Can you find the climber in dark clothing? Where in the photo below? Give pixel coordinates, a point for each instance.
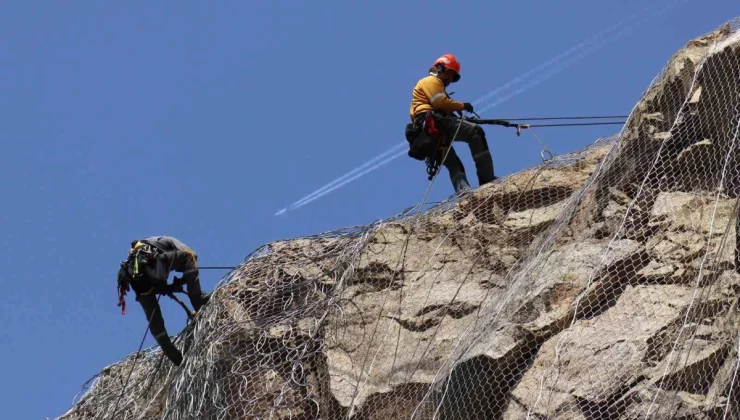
(146, 270)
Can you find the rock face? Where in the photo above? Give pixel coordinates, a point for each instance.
(599, 285)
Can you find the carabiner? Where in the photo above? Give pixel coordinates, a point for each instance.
(542, 155)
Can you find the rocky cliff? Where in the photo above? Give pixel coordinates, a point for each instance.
(598, 285)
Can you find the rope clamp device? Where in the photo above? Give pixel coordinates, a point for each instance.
(502, 123)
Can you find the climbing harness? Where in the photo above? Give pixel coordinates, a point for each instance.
(437, 158)
(434, 161)
(139, 256)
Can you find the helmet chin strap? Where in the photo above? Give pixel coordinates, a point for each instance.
(438, 69)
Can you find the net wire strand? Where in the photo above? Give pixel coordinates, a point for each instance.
(591, 276)
(600, 284)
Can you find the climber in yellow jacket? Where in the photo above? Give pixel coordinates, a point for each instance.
(430, 101)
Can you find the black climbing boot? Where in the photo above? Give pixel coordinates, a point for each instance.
(198, 301)
(484, 168)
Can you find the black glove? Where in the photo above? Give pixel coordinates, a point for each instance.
(468, 107)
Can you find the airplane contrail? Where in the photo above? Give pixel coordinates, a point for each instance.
(549, 62)
(557, 59)
(303, 202)
(378, 161)
(568, 63)
(341, 178)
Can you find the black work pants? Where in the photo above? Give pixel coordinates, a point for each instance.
(153, 314)
(195, 294)
(454, 129)
(146, 295)
(475, 137)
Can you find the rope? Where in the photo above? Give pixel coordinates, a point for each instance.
(564, 118)
(545, 149)
(571, 124)
(141, 345)
(133, 365)
(401, 258)
(519, 127)
(444, 158)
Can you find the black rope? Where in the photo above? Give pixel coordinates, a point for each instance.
(509, 124)
(520, 127)
(571, 124)
(564, 118)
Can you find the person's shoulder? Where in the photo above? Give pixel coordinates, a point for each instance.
(180, 245)
(429, 80)
(164, 242)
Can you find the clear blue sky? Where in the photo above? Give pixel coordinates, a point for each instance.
(235, 109)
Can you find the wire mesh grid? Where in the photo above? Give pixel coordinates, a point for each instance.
(599, 285)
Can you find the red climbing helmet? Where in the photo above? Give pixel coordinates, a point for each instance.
(449, 62)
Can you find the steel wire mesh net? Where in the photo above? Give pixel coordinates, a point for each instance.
(601, 284)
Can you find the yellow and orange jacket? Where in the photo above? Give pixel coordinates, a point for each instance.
(429, 94)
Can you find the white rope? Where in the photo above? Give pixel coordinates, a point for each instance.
(363, 378)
